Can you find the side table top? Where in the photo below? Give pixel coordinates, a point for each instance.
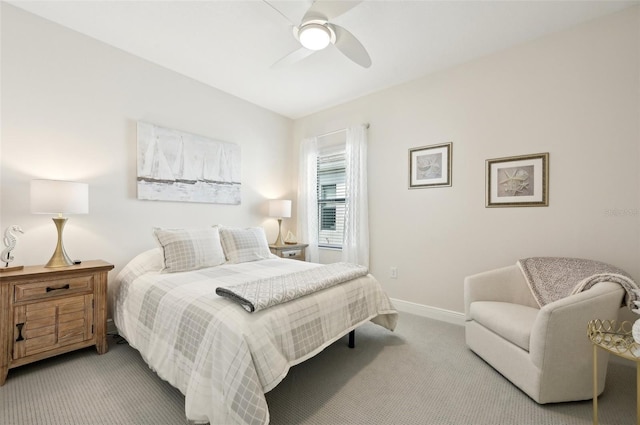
(615, 337)
(289, 246)
(42, 270)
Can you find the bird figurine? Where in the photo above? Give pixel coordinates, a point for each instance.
(10, 240)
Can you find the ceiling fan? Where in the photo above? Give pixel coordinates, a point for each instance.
(315, 33)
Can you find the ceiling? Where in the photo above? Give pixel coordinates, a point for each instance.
(232, 45)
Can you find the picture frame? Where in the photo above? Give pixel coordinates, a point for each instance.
(518, 181)
(430, 166)
(174, 165)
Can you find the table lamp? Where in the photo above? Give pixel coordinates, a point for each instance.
(59, 197)
(280, 208)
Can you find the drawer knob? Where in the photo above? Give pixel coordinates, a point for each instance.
(20, 337)
(49, 288)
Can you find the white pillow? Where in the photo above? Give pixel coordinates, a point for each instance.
(189, 249)
(241, 245)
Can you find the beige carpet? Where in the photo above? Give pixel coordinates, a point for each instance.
(420, 374)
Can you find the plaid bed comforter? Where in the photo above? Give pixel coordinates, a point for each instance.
(222, 358)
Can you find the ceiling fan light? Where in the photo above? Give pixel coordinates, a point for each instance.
(314, 36)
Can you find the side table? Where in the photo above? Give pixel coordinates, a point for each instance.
(49, 311)
(616, 339)
(292, 251)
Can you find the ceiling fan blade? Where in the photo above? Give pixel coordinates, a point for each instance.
(293, 57)
(349, 45)
(329, 9)
(280, 12)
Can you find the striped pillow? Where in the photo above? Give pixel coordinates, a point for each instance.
(189, 249)
(242, 245)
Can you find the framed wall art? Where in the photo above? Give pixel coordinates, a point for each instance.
(178, 166)
(518, 181)
(430, 166)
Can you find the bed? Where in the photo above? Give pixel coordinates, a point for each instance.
(222, 357)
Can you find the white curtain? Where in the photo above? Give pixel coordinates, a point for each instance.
(355, 248)
(307, 198)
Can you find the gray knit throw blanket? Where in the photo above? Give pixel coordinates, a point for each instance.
(553, 278)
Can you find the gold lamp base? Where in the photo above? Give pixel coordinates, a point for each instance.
(279, 241)
(59, 257)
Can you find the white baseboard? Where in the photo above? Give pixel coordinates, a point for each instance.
(436, 313)
(457, 318)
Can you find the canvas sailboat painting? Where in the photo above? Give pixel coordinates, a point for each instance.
(178, 166)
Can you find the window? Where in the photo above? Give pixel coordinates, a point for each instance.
(331, 197)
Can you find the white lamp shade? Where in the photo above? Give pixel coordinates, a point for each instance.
(314, 36)
(58, 197)
(280, 208)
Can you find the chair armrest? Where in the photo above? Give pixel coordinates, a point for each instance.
(506, 284)
(559, 334)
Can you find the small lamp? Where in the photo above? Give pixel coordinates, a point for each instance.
(280, 208)
(59, 197)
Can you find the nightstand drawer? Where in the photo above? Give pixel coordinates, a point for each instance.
(52, 288)
(292, 253)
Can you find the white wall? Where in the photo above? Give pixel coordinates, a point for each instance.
(69, 110)
(70, 106)
(573, 94)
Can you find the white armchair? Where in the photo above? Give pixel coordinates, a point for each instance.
(543, 351)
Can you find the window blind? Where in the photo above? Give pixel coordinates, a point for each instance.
(331, 199)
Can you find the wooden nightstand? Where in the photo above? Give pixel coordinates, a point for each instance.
(292, 251)
(49, 311)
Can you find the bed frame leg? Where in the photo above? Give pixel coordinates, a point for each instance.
(352, 339)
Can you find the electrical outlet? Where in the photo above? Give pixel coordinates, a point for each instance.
(393, 272)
